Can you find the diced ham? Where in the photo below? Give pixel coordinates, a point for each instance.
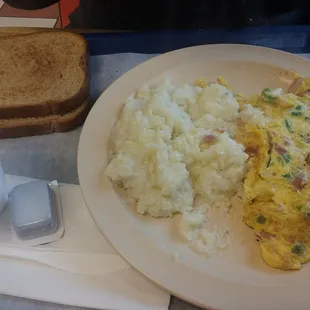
(300, 181)
(297, 183)
(209, 138)
(280, 149)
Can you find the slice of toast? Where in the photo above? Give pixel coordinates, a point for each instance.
(22, 127)
(20, 31)
(16, 31)
(42, 73)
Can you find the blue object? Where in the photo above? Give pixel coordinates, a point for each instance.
(33, 208)
(294, 39)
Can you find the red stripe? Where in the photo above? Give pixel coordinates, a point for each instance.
(66, 8)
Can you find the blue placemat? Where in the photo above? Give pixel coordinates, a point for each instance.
(294, 39)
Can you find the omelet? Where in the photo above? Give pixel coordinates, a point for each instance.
(276, 185)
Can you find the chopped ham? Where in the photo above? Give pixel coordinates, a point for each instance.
(297, 183)
(209, 138)
(300, 181)
(280, 149)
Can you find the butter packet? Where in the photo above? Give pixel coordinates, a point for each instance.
(36, 213)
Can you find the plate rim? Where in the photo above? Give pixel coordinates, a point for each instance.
(154, 275)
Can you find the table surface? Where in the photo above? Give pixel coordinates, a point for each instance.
(54, 158)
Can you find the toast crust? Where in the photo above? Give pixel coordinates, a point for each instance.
(48, 107)
(44, 125)
(20, 31)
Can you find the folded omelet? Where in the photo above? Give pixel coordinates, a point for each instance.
(276, 186)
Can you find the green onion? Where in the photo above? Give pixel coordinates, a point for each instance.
(284, 158)
(268, 95)
(287, 176)
(288, 124)
(296, 113)
(305, 137)
(306, 210)
(261, 219)
(299, 249)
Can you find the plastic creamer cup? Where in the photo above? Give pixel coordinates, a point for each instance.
(3, 190)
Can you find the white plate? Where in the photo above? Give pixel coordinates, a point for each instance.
(236, 280)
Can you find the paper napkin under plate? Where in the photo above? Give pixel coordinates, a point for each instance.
(81, 269)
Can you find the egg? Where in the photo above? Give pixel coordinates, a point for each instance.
(276, 185)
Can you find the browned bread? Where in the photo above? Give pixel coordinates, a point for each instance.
(15, 31)
(42, 73)
(21, 127)
(19, 31)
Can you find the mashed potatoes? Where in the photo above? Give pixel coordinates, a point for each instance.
(173, 144)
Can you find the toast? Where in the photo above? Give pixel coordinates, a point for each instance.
(42, 73)
(20, 31)
(17, 31)
(21, 127)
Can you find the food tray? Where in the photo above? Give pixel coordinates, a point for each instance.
(293, 39)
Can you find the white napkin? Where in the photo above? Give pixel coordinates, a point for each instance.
(81, 269)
